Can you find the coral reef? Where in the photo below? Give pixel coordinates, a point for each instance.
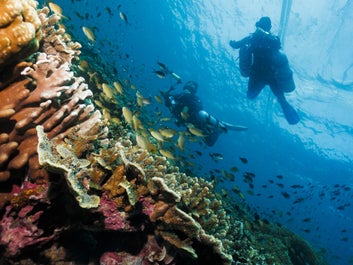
(19, 30)
(42, 93)
(76, 189)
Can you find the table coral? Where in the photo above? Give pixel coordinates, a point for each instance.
(45, 93)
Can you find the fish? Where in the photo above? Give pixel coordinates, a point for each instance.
(164, 119)
(56, 9)
(196, 131)
(163, 66)
(285, 194)
(157, 135)
(127, 114)
(280, 185)
(184, 115)
(175, 76)
(216, 156)
(243, 160)
(118, 87)
(158, 99)
(181, 141)
(108, 91)
(89, 33)
(79, 15)
(123, 17)
(227, 175)
(137, 124)
(109, 11)
(234, 169)
(142, 142)
(167, 132)
(166, 153)
(141, 101)
(160, 74)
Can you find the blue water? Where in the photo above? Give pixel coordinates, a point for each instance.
(191, 38)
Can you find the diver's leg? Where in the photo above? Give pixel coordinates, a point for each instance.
(211, 122)
(211, 139)
(255, 85)
(283, 74)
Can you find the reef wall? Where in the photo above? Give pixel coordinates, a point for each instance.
(76, 186)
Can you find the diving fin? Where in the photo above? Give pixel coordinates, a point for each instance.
(289, 112)
(233, 127)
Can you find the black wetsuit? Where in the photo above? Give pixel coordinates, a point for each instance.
(261, 60)
(186, 108)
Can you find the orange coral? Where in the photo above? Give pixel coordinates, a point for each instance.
(19, 30)
(41, 93)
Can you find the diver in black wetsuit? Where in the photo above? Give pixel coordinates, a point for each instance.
(187, 108)
(261, 60)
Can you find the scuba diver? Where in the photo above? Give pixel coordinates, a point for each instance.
(261, 60)
(187, 108)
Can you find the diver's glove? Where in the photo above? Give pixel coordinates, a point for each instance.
(234, 44)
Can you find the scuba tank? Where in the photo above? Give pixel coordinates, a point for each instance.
(245, 60)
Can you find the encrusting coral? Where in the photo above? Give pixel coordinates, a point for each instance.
(74, 190)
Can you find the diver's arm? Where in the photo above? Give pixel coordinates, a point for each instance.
(238, 44)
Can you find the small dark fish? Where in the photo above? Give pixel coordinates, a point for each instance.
(250, 192)
(109, 11)
(264, 186)
(285, 194)
(271, 181)
(243, 160)
(198, 153)
(159, 73)
(307, 231)
(306, 220)
(342, 207)
(298, 200)
(296, 186)
(345, 239)
(79, 15)
(234, 169)
(270, 196)
(163, 66)
(279, 176)
(280, 185)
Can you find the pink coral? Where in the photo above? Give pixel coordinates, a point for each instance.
(20, 229)
(113, 218)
